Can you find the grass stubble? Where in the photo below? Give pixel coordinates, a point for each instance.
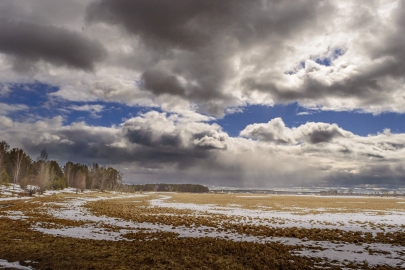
(165, 250)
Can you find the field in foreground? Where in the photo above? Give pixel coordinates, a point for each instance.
(201, 231)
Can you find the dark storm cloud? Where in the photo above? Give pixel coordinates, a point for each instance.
(374, 155)
(196, 39)
(380, 175)
(86, 146)
(215, 54)
(34, 42)
(92, 149)
(145, 137)
(323, 135)
(194, 24)
(149, 140)
(160, 23)
(367, 86)
(76, 143)
(160, 83)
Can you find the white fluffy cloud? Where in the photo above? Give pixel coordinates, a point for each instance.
(276, 131)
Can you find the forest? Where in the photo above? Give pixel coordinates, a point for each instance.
(191, 188)
(16, 167)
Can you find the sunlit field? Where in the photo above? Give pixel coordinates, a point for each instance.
(201, 231)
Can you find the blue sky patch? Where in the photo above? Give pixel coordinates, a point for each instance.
(325, 59)
(329, 57)
(36, 97)
(293, 116)
(40, 105)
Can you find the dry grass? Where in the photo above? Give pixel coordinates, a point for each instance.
(293, 203)
(148, 251)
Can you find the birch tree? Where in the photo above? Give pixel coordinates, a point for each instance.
(80, 181)
(68, 171)
(43, 171)
(19, 164)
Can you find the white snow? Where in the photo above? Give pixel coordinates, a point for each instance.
(15, 265)
(16, 215)
(15, 198)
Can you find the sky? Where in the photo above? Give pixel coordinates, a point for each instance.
(237, 93)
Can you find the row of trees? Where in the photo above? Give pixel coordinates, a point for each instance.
(18, 168)
(193, 188)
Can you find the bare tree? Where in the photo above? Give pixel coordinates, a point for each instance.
(104, 175)
(69, 173)
(80, 181)
(17, 171)
(93, 176)
(43, 171)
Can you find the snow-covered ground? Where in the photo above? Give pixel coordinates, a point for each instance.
(370, 221)
(12, 191)
(99, 227)
(14, 265)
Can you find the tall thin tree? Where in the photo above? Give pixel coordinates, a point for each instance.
(43, 171)
(17, 171)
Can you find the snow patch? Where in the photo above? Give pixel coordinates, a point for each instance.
(15, 265)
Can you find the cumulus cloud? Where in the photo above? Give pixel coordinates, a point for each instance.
(155, 129)
(276, 131)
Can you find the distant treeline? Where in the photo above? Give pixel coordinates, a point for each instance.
(165, 187)
(19, 168)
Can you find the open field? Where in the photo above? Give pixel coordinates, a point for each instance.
(201, 231)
